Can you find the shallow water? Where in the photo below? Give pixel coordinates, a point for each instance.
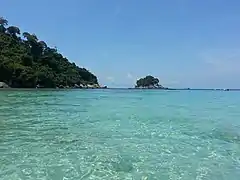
(119, 134)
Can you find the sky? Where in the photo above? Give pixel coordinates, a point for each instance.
(185, 43)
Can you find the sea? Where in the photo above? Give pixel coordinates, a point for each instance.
(119, 134)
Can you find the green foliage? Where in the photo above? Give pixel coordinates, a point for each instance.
(148, 81)
(3, 21)
(13, 31)
(29, 62)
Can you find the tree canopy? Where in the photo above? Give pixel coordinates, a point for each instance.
(27, 62)
(148, 82)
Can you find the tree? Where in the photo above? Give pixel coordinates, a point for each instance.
(3, 23)
(36, 47)
(26, 35)
(43, 44)
(13, 31)
(34, 36)
(31, 38)
(148, 82)
(2, 29)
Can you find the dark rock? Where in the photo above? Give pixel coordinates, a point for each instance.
(76, 86)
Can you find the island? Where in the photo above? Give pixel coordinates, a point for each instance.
(148, 82)
(27, 62)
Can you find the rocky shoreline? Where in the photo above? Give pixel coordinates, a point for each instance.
(150, 87)
(82, 86)
(3, 85)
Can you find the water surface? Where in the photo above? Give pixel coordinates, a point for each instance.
(119, 134)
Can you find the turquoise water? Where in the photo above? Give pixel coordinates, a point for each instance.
(119, 134)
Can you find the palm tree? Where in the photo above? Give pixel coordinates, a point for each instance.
(3, 23)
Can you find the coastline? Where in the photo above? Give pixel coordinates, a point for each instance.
(131, 89)
(4, 85)
(186, 89)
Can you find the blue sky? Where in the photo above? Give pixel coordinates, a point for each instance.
(184, 43)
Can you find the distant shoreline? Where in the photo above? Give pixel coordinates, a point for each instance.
(186, 89)
(137, 89)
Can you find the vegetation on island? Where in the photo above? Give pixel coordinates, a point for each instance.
(148, 82)
(27, 62)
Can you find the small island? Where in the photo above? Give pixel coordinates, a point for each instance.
(27, 62)
(148, 82)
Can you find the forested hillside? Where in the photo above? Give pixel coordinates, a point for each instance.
(27, 62)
